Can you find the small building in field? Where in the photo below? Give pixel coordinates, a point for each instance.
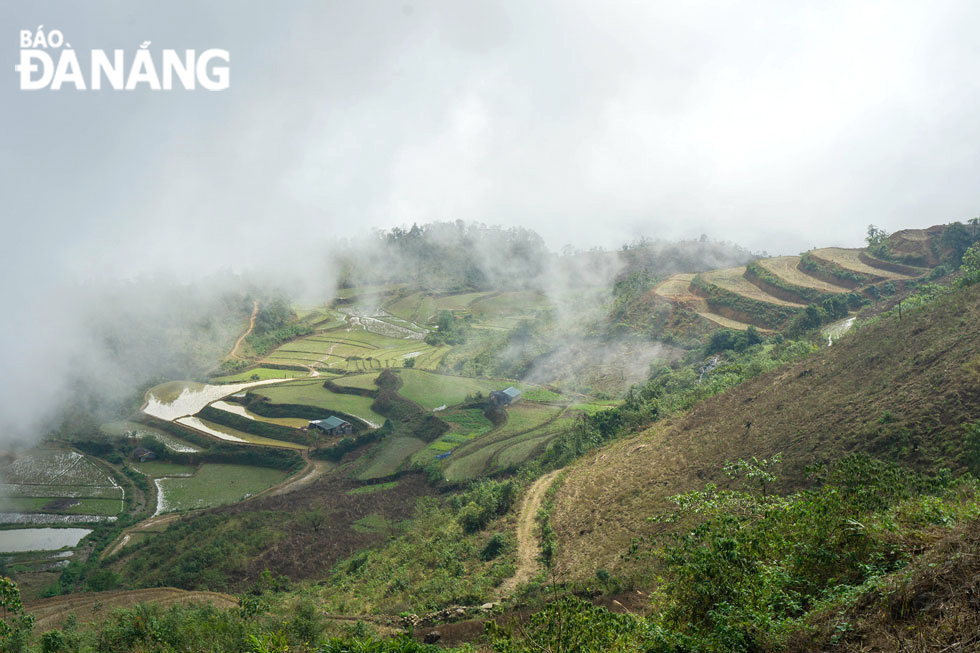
(332, 425)
(143, 454)
(505, 397)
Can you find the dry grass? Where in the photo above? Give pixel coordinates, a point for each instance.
(898, 390)
(848, 258)
(733, 280)
(785, 267)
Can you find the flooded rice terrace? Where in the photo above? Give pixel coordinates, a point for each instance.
(40, 539)
(169, 401)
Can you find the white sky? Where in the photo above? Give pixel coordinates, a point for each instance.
(778, 125)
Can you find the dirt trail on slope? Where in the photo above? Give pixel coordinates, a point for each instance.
(527, 542)
(251, 326)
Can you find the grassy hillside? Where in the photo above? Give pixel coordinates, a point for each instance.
(896, 389)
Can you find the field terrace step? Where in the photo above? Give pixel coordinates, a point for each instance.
(787, 269)
(850, 259)
(677, 289)
(733, 280)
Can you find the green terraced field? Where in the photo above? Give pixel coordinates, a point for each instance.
(356, 349)
(312, 393)
(389, 457)
(467, 425)
(262, 373)
(431, 390)
(156, 469)
(525, 422)
(509, 304)
(216, 485)
(362, 381)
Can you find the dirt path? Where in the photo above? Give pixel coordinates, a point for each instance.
(527, 542)
(251, 326)
(314, 469)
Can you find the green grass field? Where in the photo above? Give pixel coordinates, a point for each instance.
(431, 390)
(362, 381)
(312, 393)
(262, 373)
(156, 469)
(467, 424)
(509, 304)
(355, 349)
(216, 485)
(389, 457)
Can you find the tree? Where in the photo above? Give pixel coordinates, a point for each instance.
(971, 266)
(15, 624)
(875, 236)
(956, 238)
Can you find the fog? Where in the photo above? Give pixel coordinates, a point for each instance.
(789, 126)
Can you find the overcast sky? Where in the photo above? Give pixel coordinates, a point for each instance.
(778, 125)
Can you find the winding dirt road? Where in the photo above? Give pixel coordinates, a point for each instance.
(251, 326)
(527, 542)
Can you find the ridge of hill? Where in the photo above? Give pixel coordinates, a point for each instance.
(897, 388)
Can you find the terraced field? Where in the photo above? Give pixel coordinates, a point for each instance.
(52, 485)
(312, 393)
(849, 258)
(422, 308)
(678, 289)
(362, 381)
(257, 374)
(241, 411)
(433, 391)
(390, 456)
(525, 422)
(786, 268)
(466, 425)
(355, 349)
(213, 485)
(52, 613)
(228, 434)
(510, 304)
(733, 280)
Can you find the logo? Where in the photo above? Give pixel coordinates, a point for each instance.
(45, 64)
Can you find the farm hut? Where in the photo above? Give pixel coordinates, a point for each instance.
(143, 454)
(332, 425)
(505, 397)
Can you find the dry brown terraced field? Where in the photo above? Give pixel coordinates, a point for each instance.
(785, 267)
(733, 280)
(89, 606)
(848, 258)
(678, 289)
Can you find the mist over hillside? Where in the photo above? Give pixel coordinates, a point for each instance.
(107, 339)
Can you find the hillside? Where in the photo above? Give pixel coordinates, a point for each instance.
(895, 389)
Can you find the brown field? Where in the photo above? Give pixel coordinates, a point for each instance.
(733, 280)
(89, 606)
(848, 258)
(678, 289)
(785, 268)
